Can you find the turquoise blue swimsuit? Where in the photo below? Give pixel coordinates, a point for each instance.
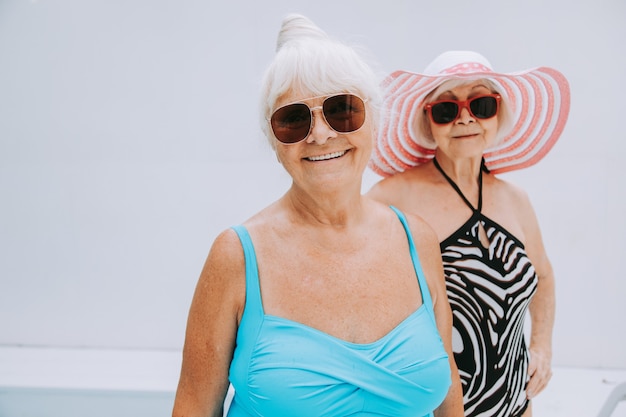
(284, 368)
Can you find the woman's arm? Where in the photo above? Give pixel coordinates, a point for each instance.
(542, 306)
(212, 330)
(427, 246)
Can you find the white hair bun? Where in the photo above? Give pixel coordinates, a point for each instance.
(297, 27)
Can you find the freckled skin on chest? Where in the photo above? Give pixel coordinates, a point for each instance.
(339, 287)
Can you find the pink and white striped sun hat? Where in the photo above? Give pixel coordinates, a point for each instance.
(539, 100)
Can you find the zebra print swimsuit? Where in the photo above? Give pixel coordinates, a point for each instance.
(489, 289)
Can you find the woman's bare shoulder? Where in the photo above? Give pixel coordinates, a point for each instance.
(402, 182)
(422, 229)
(511, 193)
(225, 261)
(227, 245)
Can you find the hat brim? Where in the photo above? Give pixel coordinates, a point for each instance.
(539, 99)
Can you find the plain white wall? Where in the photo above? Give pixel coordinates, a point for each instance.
(129, 138)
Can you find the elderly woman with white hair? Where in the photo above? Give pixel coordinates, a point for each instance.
(325, 303)
(446, 133)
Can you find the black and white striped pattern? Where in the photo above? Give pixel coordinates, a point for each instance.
(489, 291)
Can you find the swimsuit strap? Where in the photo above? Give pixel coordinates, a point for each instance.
(421, 278)
(254, 304)
(483, 167)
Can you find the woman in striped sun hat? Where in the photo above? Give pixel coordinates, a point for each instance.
(444, 135)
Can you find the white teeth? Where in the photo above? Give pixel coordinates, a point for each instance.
(327, 156)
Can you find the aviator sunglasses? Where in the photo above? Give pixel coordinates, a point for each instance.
(446, 111)
(344, 113)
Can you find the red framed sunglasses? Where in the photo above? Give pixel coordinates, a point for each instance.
(446, 111)
(344, 113)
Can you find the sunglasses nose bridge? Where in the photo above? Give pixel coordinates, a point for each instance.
(319, 111)
(318, 121)
(317, 114)
(464, 116)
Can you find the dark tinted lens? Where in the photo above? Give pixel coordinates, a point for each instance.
(344, 113)
(484, 107)
(444, 112)
(291, 123)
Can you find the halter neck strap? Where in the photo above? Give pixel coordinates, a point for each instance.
(458, 190)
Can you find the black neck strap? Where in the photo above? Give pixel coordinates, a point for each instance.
(458, 190)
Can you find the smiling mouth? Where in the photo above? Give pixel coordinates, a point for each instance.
(466, 135)
(326, 157)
